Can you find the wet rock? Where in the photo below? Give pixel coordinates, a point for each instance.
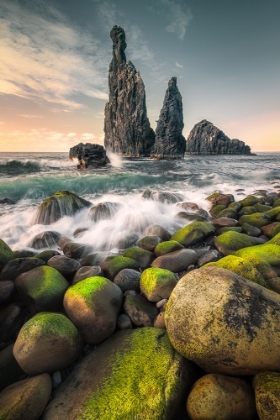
(250, 200)
(164, 197)
(5, 253)
(169, 141)
(7, 292)
(209, 256)
(257, 219)
(47, 255)
(62, 203)
(93, 306)
(156, 230)
(271, 230)
(235, 338)
(166, 247)
(221, 397)
(76, 251)
(274, 284)
(141, 312)
(112, 265)
(229, 242)
(124, 322)
(89, 155)
(176, 261)
(26, 399)
(194, 217)
(11, 319)
(48, 342)
(127, 127)
(24, 253)
(149, 242)
(18, 266)
(224, 222)
(228, 229)
(103, 211)
(219, 199)
(192, 233)
(159, 321)
(7, 201)
(267, 390)
(128, 279)
(206, 139)
(10, 371)
(251, 230)
(157, 283)
(86, 272)
(66, 266)
(94, 259)
(42, 289)
(44, 240)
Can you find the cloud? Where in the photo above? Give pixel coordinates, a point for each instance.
(177, 13)
(30, 116)
(179, 65)
(47, 58)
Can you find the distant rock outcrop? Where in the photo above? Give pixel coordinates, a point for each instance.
(89, 155)
(206, 139)
(170, 142)
(127, 127)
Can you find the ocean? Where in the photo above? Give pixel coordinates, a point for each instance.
(29, 178)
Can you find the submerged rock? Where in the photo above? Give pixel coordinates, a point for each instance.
(206, 139)
(89, 155)
(170, 142)
(127, 127)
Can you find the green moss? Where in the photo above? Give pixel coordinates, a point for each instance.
(262, 257)
(273, 213)
(275, 240)
(262, 208)
(193, 232)
(48, 281)
(6, 253)
(250, 200)
(231, 241)
(227, 213)
(144, 380)
(240, 266)
(166, 247)
(112, 265)
(235, 205)
(267, 381)
(276, 203)
(155, 278)
(256, 219)
(229, 229)
(247, 210)
(135, 253)
(216, 210)
(86, 288)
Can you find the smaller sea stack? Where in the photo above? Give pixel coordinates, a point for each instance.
(89, 155)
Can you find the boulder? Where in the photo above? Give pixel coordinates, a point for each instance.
(18, 266)
(44, 240)
(122, 378)
(176, 261)
(42, 289)
(128, 279)
(11, 319)
(256, 219)
(26, 399)
(141, 312)
(46, 343)
(93, 306)
(142, 256)
(62, 203)
(126, 126)
(149, 242)
(47, 255)
(76, 251)
(163, 196)
(169, 141)
(86, 272)
(192, 233)
(206, 139)
(7, 292)
(112, 265)
(89, 155)
(5, 253)
(221, 397)
(66, 266)
(267, 395)
(229, 242)
(10, 371)
(166, 247)
(103, 211)
(271, 230)
(157, 284)
(156, 230)
(224, 323)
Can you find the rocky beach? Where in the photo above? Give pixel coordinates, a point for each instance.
(156, 301)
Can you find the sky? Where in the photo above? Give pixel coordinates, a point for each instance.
(55, 57)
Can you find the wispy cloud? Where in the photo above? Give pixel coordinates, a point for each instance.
(46, 58)
(30, 116)
(177, 14)
(179, 65)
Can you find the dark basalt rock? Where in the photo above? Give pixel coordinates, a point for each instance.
(170, 142)
(127, 127)
(89, 155)
(206, 139)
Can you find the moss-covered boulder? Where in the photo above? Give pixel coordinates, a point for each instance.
(192, 233)
(46, 343)
(136, 374)
(15, 267)
(5, 253)
(166, 247)
(221, 397)
(264, 257)
(256, 219)
(240, 266)
(229, 242)
(273, 213)
(217, 198)
(276, 203)
(247, 210)
(262, 208)
(176, 261)
(112, 265)
(224, 221)
(214, 211)
(251, 230)
(228, 229)
(275, 240)
(224, 323)
(47, 254)
(250, 200)
(157, 284)
(93, 306)
(267, 395)
(26, 399)
(142, 256)
(62, 203)
(42, 289)
(231, 213)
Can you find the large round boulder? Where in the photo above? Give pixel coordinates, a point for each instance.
(192, 233)
(136, 374)
(17, 266)
(157, 283)
(224, 323)
(93, 305)
(46, 343)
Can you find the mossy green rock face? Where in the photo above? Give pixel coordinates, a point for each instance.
(267, 395)
(216, 210)
(112, 265)
(167, 247)
(276, 203)
(25, 399)
(240, 266)
(136, 374)
(46, 343)
(221, 397)
(192, 233)
(224, 323)
(229, 242)
(143, 257)
(62, 203)
(256, 219)
(273, 213)
(42, 289)
(264, 257)
(93, 306)
(247, 210)
(250, 200)
(275, 240)
(157, 283)
(5, 253)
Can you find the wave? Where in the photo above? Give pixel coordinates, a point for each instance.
(16, 167)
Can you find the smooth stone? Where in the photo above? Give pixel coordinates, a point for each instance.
(166, 247)
(251, 230)
(10, 371)
(176, 261)
(160, 304)
(5, 253)
(11, 319)
(128, 279)
(18, 266)
(141, 312)
(157, 283)
(271, 230)
(45, 239)
(47, 255)
(229, 242)
(224, 222)
(76, 251)
(7, 291)
(66, 266)
(142, 256)
(112, 265)
(124, 322)
(157, 230)
(94, 259)
(209, 256)
(192, 233)
(159, 321)
(56, 379)
(257, 219)
(149, 242)
(86, 272)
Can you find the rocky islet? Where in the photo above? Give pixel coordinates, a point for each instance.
(219, 320)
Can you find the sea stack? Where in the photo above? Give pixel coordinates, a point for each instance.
(127, 127)
(206, 139)
(89, 155)
(170, 142)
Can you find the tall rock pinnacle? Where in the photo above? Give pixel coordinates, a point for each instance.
(127, 127)
(170, 142)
